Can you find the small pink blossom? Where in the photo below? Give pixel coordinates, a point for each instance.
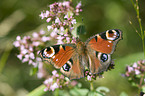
(135, 65)
(89, 78)
(66, 16)
(47, 14)
(54, 72)
(42, 32)
(44, 38)
(35, 35)
(49, 28)
(16, 44)
(137, 72)
(73, 21)
(32, 56)
(30, 62)
(20, 56)
(53, 34)
(31, 48)
(49, 80)
(57, 20)
(54, 86)
(61, 29)
(46, 89)
(36, 43)
(130, 69)
(66, 3)
(48, 20)
(25, 60)
(42, 15)
(79, 5)
(18, 38)
(24, 51)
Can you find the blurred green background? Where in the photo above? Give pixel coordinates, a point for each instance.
(21, 17)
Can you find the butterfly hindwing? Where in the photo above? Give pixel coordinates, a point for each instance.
(65, 58)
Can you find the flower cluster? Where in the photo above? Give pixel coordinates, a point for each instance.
(61, 20)
(136, 69)
(28, 47)
(136, 73)
(57, 81)
(61, 15)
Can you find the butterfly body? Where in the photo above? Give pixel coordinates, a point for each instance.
(74, 59)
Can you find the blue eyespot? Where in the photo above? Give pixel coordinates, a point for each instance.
(104, 57)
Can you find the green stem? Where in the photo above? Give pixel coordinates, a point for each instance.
(143, 44)
(142, 33)
(4, 57)
(91, 86)
(39, 91)
(56, 92)
(140, 83)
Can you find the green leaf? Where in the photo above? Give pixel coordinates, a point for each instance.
(78, 92)
(134, 84)
(39, 91)
(102, 90)
(123, 94)
(93, 93)
(143, 89)
(81, 30)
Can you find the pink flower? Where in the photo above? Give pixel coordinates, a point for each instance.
(49, 80)
(32, 56)
(48, 20)
(73, 21)
(16, 44)
(137, 72)
(18, 38)
(79, 5)
(66, 3)
(44, 38)
(47, 14)
(49, 28)
(130, 69)
(57, 20)
(24, 51)
(54, 72)
(54, 86)
(42, 32)
(61, 29)
(89, 78)
(30, 62)
(20, 56)
(35, 35)
(135, 65)
(25, 60)
(42, 15)
(36, 43)
(53, 34)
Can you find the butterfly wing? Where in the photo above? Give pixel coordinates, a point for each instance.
(100, 47)
(65, 58)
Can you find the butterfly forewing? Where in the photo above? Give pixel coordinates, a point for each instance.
(105, 42)
(99, 49)
(64, 57)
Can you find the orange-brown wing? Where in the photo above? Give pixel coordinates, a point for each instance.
(64, 57)
(99, 49)
(105, 42)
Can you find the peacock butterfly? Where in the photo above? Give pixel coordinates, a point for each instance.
(94, 54)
